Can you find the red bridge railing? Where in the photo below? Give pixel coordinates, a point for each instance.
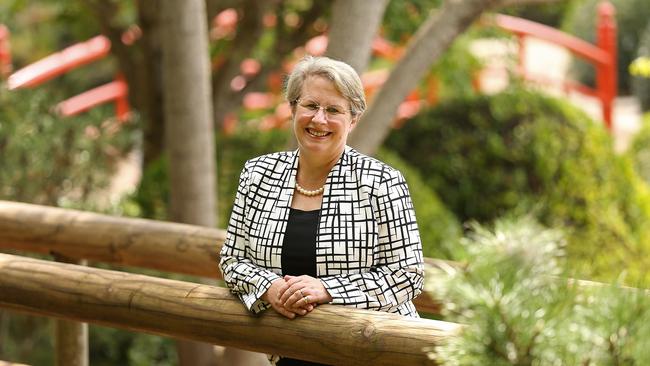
(602, 55)
(70, 58)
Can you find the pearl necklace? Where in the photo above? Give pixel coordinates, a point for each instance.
(307, 192)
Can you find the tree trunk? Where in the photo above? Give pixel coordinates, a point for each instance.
(352, 29)
(189, 130)
(188, 112)
(432, 39)
(149, 82)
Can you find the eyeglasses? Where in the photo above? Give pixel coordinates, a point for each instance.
(311, 108)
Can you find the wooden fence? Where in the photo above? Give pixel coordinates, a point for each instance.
(164, 246)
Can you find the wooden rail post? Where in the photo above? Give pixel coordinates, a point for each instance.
(330, 334)
(70, 337)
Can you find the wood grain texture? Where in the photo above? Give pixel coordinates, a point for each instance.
(159, 245)
(330, 334)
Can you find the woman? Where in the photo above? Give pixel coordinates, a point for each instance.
(323, 224)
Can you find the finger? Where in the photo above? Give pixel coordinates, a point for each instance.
(304, 302)
(285, 312)
(282, 288)
(292, 290)
(292, 280)
(293, 300)
(282, 297)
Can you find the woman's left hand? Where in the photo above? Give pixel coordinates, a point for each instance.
(300, 291)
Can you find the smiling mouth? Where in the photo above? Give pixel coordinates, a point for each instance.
(317, 133)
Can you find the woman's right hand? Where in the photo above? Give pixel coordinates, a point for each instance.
(272, 296)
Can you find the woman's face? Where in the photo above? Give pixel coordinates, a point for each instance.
(322, 118)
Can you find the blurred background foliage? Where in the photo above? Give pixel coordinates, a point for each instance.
(641, 83)
(470, 159)
(50, 160)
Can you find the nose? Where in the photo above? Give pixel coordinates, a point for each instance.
(320, 116)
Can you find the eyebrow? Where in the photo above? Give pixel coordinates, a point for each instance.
(309, 100)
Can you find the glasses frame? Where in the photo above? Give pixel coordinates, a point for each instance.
(312, 108)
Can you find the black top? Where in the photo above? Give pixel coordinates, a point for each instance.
(299, 255)
(299, 246)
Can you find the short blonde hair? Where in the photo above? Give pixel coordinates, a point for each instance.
(342, 75)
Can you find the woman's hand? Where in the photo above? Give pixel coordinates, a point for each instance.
(272, 296)
(302, 293)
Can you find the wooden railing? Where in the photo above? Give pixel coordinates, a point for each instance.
(331, 334)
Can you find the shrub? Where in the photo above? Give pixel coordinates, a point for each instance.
(631, 17)
(486, 156)
(639, 150)
(519, 309)
(439, 228)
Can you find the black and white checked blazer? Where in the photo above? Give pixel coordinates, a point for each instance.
(368, 250)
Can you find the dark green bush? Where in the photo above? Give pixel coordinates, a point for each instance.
(551, 14)
(631, 17)
(439, 228)
(488, 156)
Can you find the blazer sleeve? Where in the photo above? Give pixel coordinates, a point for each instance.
(244, 278)
(397, 274)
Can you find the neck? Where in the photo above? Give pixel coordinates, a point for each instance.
(313, 171)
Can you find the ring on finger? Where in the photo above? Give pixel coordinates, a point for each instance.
(306, 299)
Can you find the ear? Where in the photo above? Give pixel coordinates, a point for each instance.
(354, 121)
(293, 110)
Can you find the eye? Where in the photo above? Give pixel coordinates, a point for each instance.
(311, 106)
(333, 111)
